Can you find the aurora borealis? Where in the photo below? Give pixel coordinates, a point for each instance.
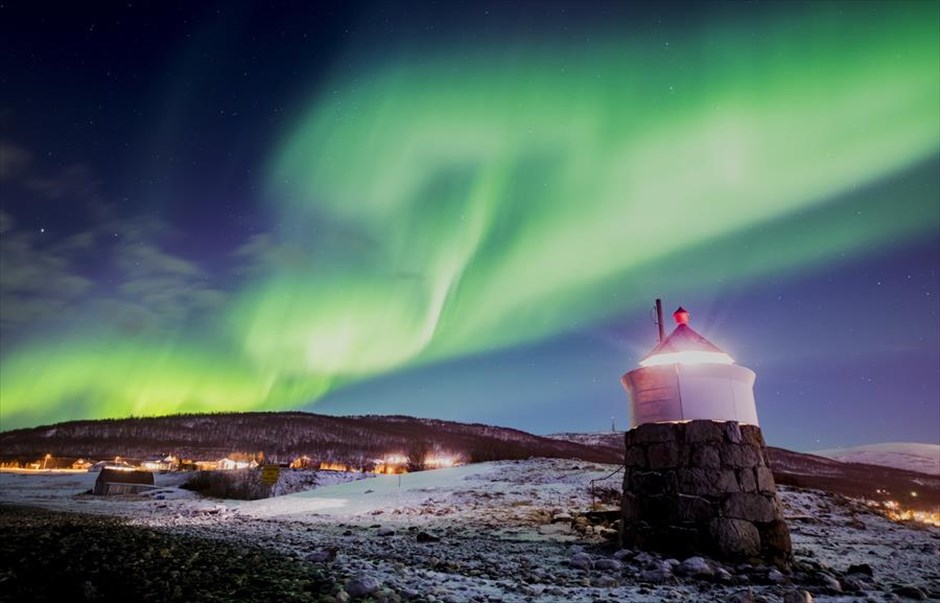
(451, 211)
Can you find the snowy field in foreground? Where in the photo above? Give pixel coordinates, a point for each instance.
(497, 539)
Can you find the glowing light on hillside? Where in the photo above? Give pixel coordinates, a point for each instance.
(688, 357)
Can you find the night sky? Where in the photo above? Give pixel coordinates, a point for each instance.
(465, 210)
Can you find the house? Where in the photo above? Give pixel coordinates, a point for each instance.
(159, 463)
(82, 465)
(228, 464)
(303, 462)
(119, 465)
(117, 481)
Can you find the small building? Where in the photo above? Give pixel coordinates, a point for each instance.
(82, 465)
(117, 464)
(159, 463)
(303, 462)
(117, 481)
(228, 464)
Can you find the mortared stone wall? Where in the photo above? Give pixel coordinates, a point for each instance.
(703, 487)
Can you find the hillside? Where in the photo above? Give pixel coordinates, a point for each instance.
(282, 436)
(856, 479)
(355, 441)
(910, 456)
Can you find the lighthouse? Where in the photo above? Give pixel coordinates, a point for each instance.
(687, 377)
(697, 476)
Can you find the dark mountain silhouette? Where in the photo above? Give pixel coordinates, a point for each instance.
(281, 436)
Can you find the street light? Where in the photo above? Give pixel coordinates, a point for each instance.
(45, 460)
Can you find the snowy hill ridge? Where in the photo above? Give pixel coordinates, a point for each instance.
(910, 456)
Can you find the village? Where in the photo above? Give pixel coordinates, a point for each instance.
(390, 464)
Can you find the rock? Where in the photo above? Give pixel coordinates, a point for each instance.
(701, 431)
(561, 517)
(797, 596)
(732, 431)
(655, 576)
(581, 561)
(385, 531)
(742, 596)
(362, 586)
(746, 480)
(663, 456)
(342, 596)
(735, 537)
(861, 568)
(425, 537)
(776, 576)
(322, 555)
(830, 582)
(739, 456)
(705, 456)
(775, 538)
(636, 457)
(606, 581)
(723, 575)
(608, 564)
(624, 554)
(910, 592)
(695, 567)
(655, 432)
(694, 508)
(765, 480)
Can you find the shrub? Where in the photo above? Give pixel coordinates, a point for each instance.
(241, 484)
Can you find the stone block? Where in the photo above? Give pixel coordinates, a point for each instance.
(653, 483)
(703, 431)
(705, 456)
(636, 456)
(664, 455)
(738, 456)
(659, 509)
(752, 436)
(764, 457)
(752, 507)
(732, 432)
(681, 541)
(775, 541)
(657, 432)
(746, 480)
(735, 537)
(629, 507)
(707, 482)
(765, 480)
(695, 508)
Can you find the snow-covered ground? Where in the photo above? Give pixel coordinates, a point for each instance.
(510, 531)
(923, 458)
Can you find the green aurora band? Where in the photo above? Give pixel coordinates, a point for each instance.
(445, 206)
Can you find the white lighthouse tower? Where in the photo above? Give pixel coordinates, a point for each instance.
(686, 377)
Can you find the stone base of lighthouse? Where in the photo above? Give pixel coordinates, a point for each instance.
(702, 487)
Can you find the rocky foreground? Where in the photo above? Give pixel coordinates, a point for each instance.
(55, 556)
(510, 531)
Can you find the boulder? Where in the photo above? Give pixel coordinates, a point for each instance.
(735, 537)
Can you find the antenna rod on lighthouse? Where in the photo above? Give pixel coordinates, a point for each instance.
(659, 319)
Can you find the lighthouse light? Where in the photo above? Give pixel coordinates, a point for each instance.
(688, 357)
